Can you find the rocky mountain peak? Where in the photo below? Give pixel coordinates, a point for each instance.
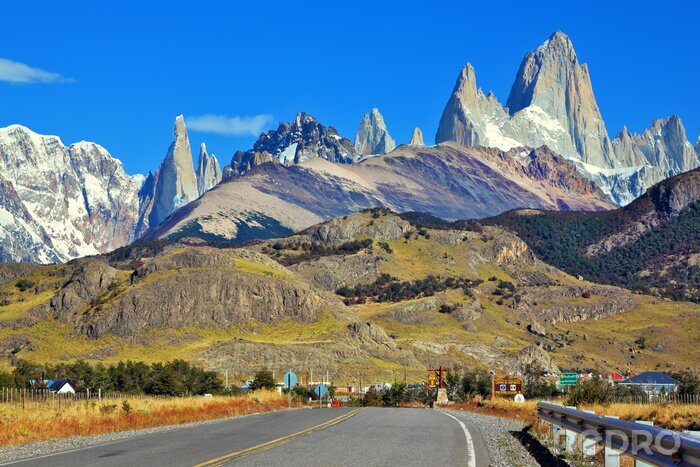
(417, 138)
(292, 143)
(559, 46)
(208, 171)
(175, 181)
(551, 82)
(372, 135)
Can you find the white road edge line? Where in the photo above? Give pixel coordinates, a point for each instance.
(471, 462)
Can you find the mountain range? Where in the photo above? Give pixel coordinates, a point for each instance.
(552, 103)
(59, 202)
(547, 149)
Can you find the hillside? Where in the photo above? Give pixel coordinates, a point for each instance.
(369, 294)
(449, 180)
(651, 245)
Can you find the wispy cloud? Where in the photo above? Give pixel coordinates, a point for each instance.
(232, 126)
(16, 72)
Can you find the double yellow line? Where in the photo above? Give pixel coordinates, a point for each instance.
(275, 442)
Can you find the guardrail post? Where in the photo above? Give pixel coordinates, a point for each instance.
(588, 445)
(612, 456)
(556, 435)
(637, 462)
(571, 437)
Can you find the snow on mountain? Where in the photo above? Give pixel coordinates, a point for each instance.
(58, 203)
(61, 202)
(552, 103)
(293, 143)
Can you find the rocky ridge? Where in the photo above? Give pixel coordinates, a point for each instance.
(293, 143)
(552, 103)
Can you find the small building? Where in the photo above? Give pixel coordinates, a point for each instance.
(612, 377)
(56, 386)
(652, 382)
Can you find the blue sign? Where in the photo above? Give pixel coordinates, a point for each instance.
(320, 391)
(290, 379)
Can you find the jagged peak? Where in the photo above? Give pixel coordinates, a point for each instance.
(417, 138)
(203, 149)
(558, 45)
(468, 74)
(672, 122)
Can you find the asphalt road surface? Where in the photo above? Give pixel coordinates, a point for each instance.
(308, 437)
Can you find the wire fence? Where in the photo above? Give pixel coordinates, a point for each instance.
(659, 398)
(31, 397)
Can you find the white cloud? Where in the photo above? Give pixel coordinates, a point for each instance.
(232, 126)
(16, 72)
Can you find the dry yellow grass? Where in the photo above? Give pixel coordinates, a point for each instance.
(45, 420)
(671, 416)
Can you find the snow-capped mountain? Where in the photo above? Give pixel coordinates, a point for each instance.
(292, 143)
(60, 202)
(372, 136)
(552, 103)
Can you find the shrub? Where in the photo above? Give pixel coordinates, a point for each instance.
(263, 379)
(108, 409)
(590, 391)
(126, 407)
(24, 284)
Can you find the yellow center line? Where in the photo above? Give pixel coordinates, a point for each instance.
(275, 442)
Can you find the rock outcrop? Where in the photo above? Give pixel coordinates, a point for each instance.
(372, 136)
(292, 143)
(208, 171)
(90, 281)
(417, 138)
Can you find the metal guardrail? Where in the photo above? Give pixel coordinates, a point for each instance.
(654, 445)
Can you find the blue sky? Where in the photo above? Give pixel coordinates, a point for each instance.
(118, 73)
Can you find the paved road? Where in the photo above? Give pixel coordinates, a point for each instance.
(346, 436)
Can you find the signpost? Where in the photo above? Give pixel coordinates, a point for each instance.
(507, 387)
(320, 391)
(290, 379)
(568, 379)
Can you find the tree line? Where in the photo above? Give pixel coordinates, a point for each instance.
(175, 378)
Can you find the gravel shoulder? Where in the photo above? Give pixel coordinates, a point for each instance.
(9, 454)
(495, 432)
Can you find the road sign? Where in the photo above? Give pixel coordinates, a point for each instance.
(290, 379)
(320, 391)
(568, 379)
(507, 387)
(431, 380)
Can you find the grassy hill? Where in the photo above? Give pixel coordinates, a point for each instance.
(652, 245)
(371, 294)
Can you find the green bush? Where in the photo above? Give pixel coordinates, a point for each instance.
(24, 284)
(590, 391)
(263, 379)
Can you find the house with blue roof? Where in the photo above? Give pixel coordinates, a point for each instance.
(57, 386)
(652, 382)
